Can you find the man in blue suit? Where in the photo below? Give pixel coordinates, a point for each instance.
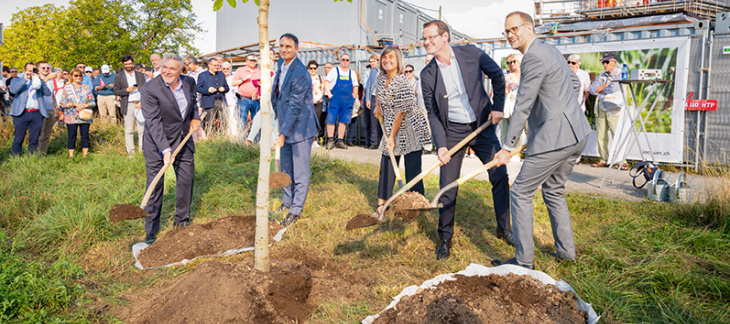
(212, 86)
(29, 108)
(457, 104)
(294, 107)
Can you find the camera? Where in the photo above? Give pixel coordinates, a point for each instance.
(35, 70)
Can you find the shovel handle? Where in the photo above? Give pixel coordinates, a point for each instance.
(423, 174)
(159, 175)
(391, 154)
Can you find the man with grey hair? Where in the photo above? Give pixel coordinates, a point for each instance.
(170, 111)
(583, 76)
(212, 87)
(558, 134)
(156, 62)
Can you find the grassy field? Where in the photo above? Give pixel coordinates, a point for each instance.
(62, 260)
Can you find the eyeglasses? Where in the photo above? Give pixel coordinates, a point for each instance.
(77, 75)
(345, 60)
(572, 63)
(605, 62)
(409, 71)
(88, 72)
(512, 30)
(13, 71)
(430, 38)
(311, 68)
(510, 62)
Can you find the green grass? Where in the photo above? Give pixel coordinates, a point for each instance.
(638, 262)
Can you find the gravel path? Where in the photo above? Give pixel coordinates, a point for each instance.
(585, 179)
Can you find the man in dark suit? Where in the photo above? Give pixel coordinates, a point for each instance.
(294, 108)
(126, 87)
(170, 112)
(548, 101)
(212, 86)
(457, 104)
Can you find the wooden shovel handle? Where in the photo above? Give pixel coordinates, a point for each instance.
(159, 175)
(390, 153)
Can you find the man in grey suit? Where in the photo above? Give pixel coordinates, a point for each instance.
(170, 111)
(548, 101)
(294, 107)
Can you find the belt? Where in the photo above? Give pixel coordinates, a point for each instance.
(32, 110)
(136, 101)
(464, 124)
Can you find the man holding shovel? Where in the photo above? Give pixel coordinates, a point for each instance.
(548, 101)
(170, 111)
(457, 104)
(294, 108)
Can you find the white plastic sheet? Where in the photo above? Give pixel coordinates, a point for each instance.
(480, 270)
(141, 246)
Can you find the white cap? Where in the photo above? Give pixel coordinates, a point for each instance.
(88, 69)
(105, 69)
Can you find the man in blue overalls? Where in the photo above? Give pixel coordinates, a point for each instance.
(341, 89)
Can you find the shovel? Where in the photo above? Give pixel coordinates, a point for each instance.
(278, 179)
(392, 155)
(456, 183)
(127, 211)
(374, 218)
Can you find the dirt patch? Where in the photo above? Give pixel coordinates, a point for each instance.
(404, 205)
(126, 212)
(487, 299)
(362, 220)
(217, 292)
(232, 232)
(278, 180)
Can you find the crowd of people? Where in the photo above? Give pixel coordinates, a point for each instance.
(542, 104)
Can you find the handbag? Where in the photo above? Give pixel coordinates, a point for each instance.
(85, 114)
(356, 108)
(612, 101)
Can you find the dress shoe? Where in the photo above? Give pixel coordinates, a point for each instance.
(330, 145)
(340, 145)
(290, 219)
(511, 261)
(444, 250)
(506, 236)
(560, 259)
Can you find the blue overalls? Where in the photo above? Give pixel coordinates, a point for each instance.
(340, 105)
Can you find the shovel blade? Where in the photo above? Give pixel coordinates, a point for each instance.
(362, 220)
(126, 212)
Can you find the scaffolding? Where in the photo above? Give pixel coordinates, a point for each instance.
(550, 11)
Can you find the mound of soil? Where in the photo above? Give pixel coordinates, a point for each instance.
(487, 299)
(217, 292)
(126, 212)
(362, 220)
(278, 180)
(228, 233)
(403, 205)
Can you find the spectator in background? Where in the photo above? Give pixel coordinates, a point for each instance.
(126, 86)
(583, 76)
(248, 100)
(212, 87)
(8, 80)
(156, 61)
(194, 69)
(317, 94)
(95, 73)
(256, 121)
(44, 70)
(77, 97)
(139, 67)
(607, 114)
(231, 100)
(325, 99)
(104, 85)
(374, 133)
(357, 119)
(29, 108)
(512, 81)
(4, 89)
(341, 87)
(89, 77)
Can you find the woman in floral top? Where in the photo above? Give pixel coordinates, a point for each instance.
(76, 97)
(406, 127)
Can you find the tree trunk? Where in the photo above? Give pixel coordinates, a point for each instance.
(261, 252)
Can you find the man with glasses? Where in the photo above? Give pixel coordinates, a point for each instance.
(607, 115)
(44, 69)
(13, 74)
(457, 104)
(547, 100)
(374, 133)
(104, 88)
(29, 108)
(126, 87)
(340, 86)
(212, 87)
(248, 100)
(87, 74)
(583, 76)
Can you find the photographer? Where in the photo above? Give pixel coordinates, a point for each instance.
(29, 108)
(126, 86)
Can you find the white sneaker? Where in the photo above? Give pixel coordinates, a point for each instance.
(315, 144)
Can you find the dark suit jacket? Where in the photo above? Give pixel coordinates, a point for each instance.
(164, 126)
(205, 81)
(435, 96)
(121, 85)
(294, 106)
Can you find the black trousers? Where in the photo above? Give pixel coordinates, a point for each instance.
(73, 130)
(32, 121)
(216, 114)
(387, 174)
(321, 116)
(485, 146)
(184, 166)
(372, 126)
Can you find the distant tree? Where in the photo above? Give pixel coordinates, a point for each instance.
(99, 31)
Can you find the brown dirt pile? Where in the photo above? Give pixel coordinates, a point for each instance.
(217, 292)
(487, 299)
(403, 205)
(232, 232)
(278, 180)
(126, 212)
